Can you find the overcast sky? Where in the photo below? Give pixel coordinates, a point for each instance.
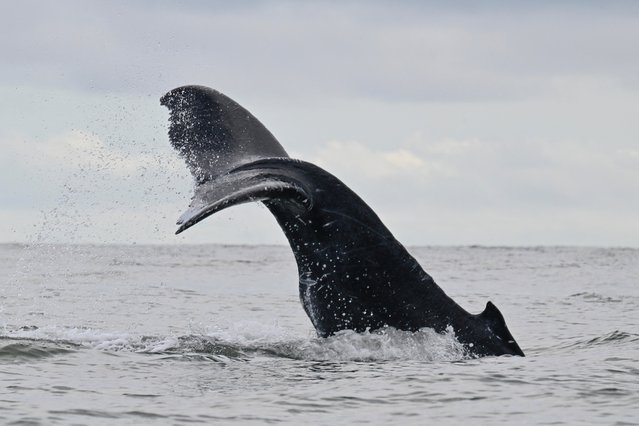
(497, 123)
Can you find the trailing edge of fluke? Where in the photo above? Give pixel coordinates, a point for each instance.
(353, 274)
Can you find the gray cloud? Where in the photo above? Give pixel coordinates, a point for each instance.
(407, 51)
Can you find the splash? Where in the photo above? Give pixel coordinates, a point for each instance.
(244, 343)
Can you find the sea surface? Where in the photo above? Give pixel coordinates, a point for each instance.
(213, 334)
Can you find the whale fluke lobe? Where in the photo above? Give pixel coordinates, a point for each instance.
(353, 273)
(243, 186)
(214, 133)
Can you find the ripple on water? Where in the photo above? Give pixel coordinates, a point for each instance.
(613, 338)
(595, 297)
(24, 350)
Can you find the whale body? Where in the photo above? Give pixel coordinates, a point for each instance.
(353, 274)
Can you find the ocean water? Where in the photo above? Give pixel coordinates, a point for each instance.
(216, 334)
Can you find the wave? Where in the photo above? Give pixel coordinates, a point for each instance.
(615, 337)
(21, 349)
(595, 297)
(240, 344)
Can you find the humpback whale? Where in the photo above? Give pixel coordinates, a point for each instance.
(353, 273)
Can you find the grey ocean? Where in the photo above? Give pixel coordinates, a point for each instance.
(216, 334)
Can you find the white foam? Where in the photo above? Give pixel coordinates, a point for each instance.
(386, 344)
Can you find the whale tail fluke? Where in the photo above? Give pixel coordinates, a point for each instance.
(353, 273)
